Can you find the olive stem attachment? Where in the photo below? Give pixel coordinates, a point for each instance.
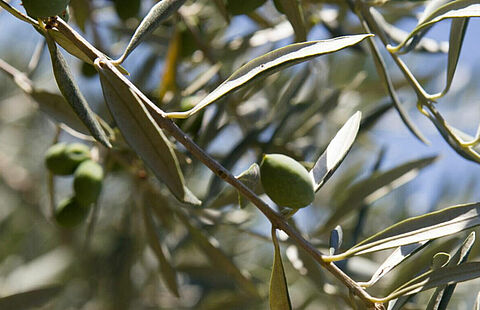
(276, 219)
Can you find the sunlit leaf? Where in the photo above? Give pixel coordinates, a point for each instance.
(279, 297)
(441, 296)
(72, 93)
(398, 256)
(457, 34)
(336, 151)
(454, 9)
(158, 13)
(30, 300)
(270, 63)
(374, 187)
(142, 132)
(425, 227)
(443, 276)
(398, 35)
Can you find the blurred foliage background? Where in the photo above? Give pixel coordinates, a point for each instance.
(114, 260)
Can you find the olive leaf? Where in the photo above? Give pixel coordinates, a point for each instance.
(75, 44)
(336, 239)
(57, 107)
(158, 13)
(442, 276)
(72, 94)
(374, 187)
(454, 9)
(398, 256)
(421, 228)
(442, 295)
(293, 11)
(52, 104)
(166, 269)
(336, 151)
(397, 35)
(142, 132)
(31, 299)
(270, 63)
(279, 297)
(471, 153)
(251, 178)
(457, 34)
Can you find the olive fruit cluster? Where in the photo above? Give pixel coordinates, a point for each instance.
(286, 181)
(45, 8)
(75, 158)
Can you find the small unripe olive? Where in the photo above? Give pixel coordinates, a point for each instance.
(69, 213)
(87, 182)
(45, 8)
(286, 181)
(63, 159)
(237, 7)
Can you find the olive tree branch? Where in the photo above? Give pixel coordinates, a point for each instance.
(275, 218)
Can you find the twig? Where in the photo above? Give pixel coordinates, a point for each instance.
(275, 218)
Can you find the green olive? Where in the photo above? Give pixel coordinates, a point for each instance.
(63, 159)
(286, 181)
(87, 182)
(69, 213)
(238, 7)
(45, 8)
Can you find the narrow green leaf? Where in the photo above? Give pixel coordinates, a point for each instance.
(68, 45)
(398, 256)
(142, 132)
(29, 300)
(441, 296)
(336, 151)
(293, 11)
(336, 239)
(58, 108)
(397, 35)
(454, 9)
(279, 297)
(52, 104)
(457, 34)
(425, 227)
(217, 257)
(76, 45)
(443, 276)
(167, 271)
(251, 178)
(471, 153)
(374, 187)
(270, 63)
(158, 13)
(72, 94)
